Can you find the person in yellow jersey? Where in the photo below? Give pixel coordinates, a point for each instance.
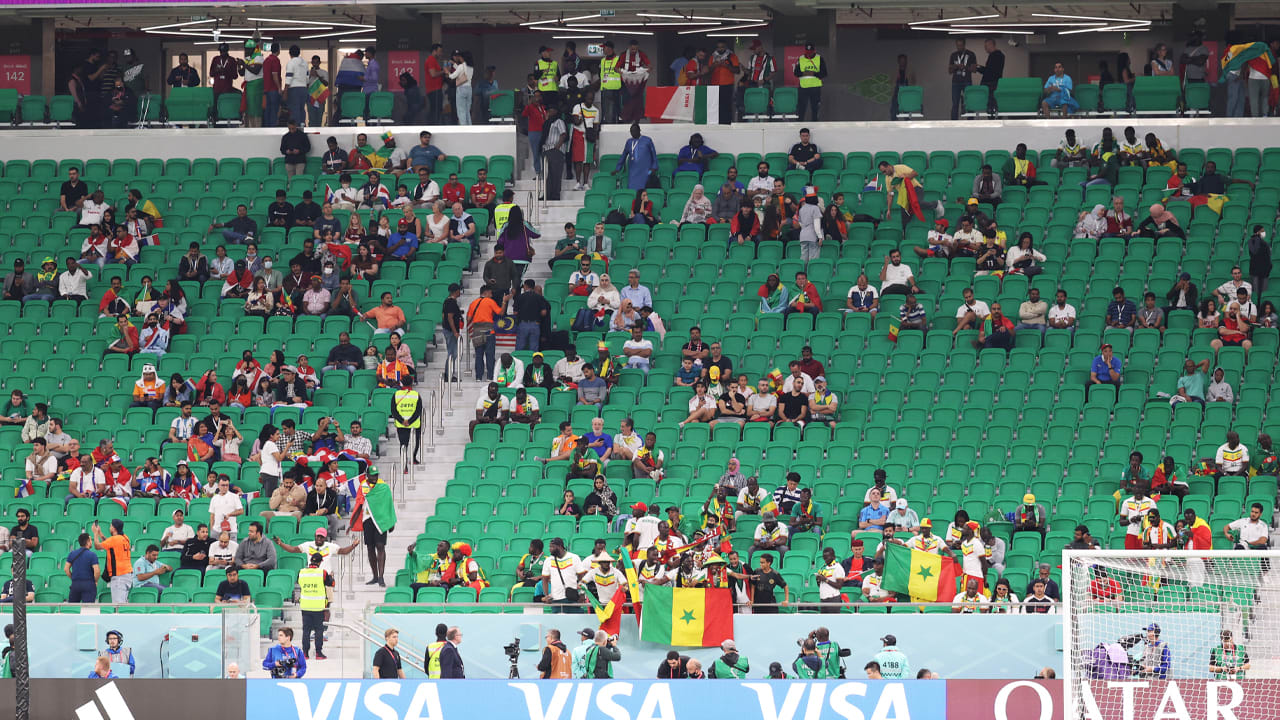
(406, 412)
(431, 662)
(810, 69)
(547, 72)
(610, 85)
(315, 592)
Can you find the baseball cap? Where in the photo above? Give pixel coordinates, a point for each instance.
(1153, 627)
(943, 222)
(640, 507)
(48, 260)
(538, 354)
(1028, 498)
(1105, 346)
(889, 640)
(322, 532)
(1184, 276)
(768, 516)
(808, 46)
(972, 201)
(608, 43)
(820, 379)
(587, 633)
(902, 503)
(972, 525)
(856, 543)
(926, 522)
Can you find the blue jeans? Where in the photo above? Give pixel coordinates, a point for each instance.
(535, 146)
(463, 104)
(528, 335)
(233, 237)
(271, 111)
(297, 100)
(1235, 97)
(957, 94)
(451, 353)
(1060, 99)
(485, 354)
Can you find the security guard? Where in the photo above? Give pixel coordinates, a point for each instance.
(432, 661)
(610, 85)
(548, 72)
(810, 69)
(315, 592)
(406, 411)
(503, 210)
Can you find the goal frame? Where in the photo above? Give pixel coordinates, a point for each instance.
(1071, 700)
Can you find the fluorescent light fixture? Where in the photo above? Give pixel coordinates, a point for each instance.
(1089, 17)
(254, 29)
(643, 24)
(308, 22)
(733, 35)
(541, 22)
(203, 33)
(590, 30)
(951, 20)
(1132, 26)
(339, 33)
(1029, 24)
(697, 17)
(959, 31)
(723, 28)
(174, 25)
(576, 37)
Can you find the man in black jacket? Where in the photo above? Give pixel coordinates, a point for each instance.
(450, 661)
(295, 147)
(675, 667)
(344, 356)
(992, 72)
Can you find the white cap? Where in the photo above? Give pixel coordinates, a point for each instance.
(902, 503)
(148, 368)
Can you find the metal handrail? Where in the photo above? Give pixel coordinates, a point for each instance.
(404, 647)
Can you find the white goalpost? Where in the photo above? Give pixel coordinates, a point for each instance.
(1171, 634)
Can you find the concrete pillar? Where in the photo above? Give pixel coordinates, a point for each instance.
(47, 72)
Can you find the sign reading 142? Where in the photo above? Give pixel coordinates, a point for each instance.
(15, 73)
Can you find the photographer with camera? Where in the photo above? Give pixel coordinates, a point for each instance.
(830, 652)
(283, 660)
(730, 665)
(600, 656)
(808, 666)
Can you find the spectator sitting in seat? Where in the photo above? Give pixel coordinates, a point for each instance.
(902, 518)
(697, 209)
(240, 229)
(744, 225)
(524, 408)
(1227, 291)
(583, 461)
(1030, 516)
(1232, 458)
(1165, 480)
(728, 201)
(774, 296)
(702, 407)
(971, 314)
(967, 240)
(1233, 330)
(863, 298)
(805, 298)
(1160, 223)
(911, 315)
(491, 408)
(1150, 316)
(990, 255)
(823, 404)
(988, 187)
(1106, 368)
(1032, 312)
(148, 391)
(602, 500)
(592, 389)
(1057, 92)
(1018, 170)
(1219, 389)
(895, 276)
(1092, 224)
(388, 316)
(875, 515)
(940, 244)
(1121, 312)
(1119, 222)
(1251, 533)
(193, 266)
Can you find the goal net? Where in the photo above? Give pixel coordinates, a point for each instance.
(1171, 634)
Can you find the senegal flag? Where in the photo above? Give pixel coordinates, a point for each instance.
(908, 198)
(1236, 56)
(382, 508)
(924, 576)
(633, 581)
(609, 614)
(895, 326)
(695, 617)
(319, 92)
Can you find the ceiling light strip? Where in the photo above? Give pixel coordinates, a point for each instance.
(339, 33)
(959, 31)
(310, 22)
(576, 37)
(1110, 28)
(1029, 24)
(698, 17)
(643, 24)
(590, 30)
(733, 35)
(543, 22)
(951, 20)
(724, 28)
(1089, 17)
(174, 25)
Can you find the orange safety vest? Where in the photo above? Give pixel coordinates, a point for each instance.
(561, 664)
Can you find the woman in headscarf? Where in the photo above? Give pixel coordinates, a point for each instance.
(1160, 223)
(602, 500)
(697, 208)
(208, 389)
(733, 477)
(605, 297)
(1092, 224)
(773, 295)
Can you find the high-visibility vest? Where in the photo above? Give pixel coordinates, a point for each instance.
(311, 584)
(802, 670)
(407, 401)
(810, 64)
(500, 215)
(547, 75)
(561, 664)
(736, 671)
(433, 659)
(610, 78)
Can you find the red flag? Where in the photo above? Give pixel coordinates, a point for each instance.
(611, 614)
(912, 199)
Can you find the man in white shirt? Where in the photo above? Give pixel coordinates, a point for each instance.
(181, 427)
(972, 598)
(224, 508)
(1226, 292)
(583, 277)
(1232, 457)
(643, 526)
(830, 581)
(223, 553)
(427, 191)
(895, 276)
(760, 186)
(559, 572)
(86, 481)
(1061, 315)
(74, 283)
(569, 367)
(1251, 533)
(751, 498)
(973, 555)
(295, 84)
(1132, 512)
(177, 534)
(638, 349)
(967, 239)
(971, 312)
(798, 374)
(92, 210)
(627, 441)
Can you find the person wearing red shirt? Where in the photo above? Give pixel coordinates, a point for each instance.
(725, 68)
(433, 84)
(119, 479)
(996, 331)
(454, 191)
(224, 70)
(698, 70)
(1104, 588)
(535, 114)
(483, 193)
(1196, 533)
(271, 87)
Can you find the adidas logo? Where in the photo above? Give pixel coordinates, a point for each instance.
(112, 702)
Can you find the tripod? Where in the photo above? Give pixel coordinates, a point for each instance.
(514, 672)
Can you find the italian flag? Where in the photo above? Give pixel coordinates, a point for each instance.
(924, 576)
(683, 104)
(691, 617)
